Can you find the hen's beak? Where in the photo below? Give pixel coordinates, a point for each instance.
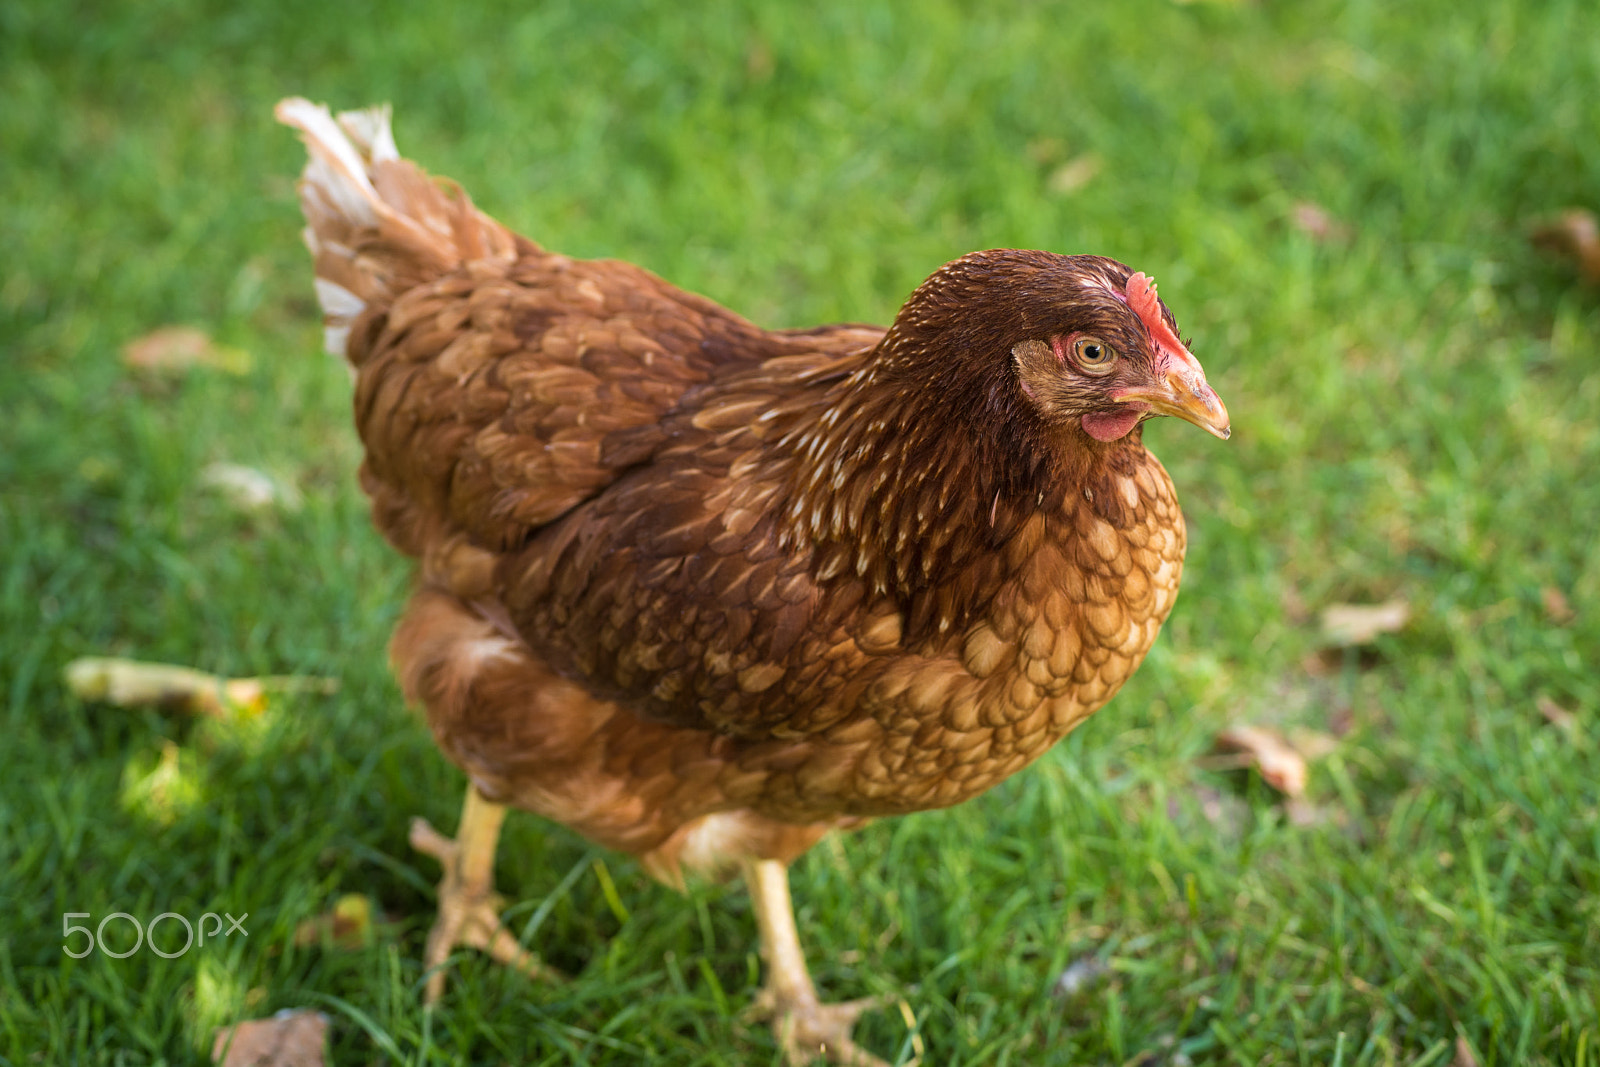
(1185, 394)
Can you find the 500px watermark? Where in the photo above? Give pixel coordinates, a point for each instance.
(96, 938)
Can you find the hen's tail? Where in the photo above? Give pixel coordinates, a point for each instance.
(377, 224)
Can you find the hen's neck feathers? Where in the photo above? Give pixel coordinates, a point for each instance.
(924, 467)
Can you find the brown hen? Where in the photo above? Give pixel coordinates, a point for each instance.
(703, 592)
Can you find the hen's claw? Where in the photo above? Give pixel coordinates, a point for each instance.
(808, 1029)
(469, 908)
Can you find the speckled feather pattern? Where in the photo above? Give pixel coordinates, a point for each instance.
(676, 566)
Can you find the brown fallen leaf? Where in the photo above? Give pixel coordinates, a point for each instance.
(1555, 714)
(1556, 607)
(1344, 625)
(347, 925)
(1574, 234)
(1270, 753)
(1074, 174)
(130, 683)
(1314, 221)
(289, 1039)
(1464, 1056)
(177, 348)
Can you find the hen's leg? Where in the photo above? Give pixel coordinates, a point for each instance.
(804, 1027)
(468, 905)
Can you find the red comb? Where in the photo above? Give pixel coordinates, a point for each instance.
(1142, 299)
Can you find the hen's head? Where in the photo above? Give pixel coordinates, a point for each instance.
(1074, 341)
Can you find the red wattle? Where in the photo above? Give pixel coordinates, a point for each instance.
(1110, 425)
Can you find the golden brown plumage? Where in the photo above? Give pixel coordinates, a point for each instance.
(702, 591)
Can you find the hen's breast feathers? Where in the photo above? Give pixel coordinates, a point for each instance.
(703, 592)
(670, 594)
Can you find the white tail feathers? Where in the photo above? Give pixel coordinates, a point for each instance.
(376, 224)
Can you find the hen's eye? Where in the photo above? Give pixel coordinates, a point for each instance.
(1094, 355)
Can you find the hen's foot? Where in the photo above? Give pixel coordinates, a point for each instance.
(805, 1027)
(469, 908)
(808, 1030)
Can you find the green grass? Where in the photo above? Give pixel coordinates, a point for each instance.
(1417, 414)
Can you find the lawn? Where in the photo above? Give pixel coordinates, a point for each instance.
(1336, 199)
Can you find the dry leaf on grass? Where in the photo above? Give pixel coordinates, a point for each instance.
(177, 348)
(1556, 715)
(1464, 1057)
(1360, 624)
(130, 683)
(347, 925)
(1269, 752)
(1575, 234)
(1074, 174)
(288, 1039)
(1283, 764)
(1081, 973)
(248, 488)
(1314, 221)
(1556, 607)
